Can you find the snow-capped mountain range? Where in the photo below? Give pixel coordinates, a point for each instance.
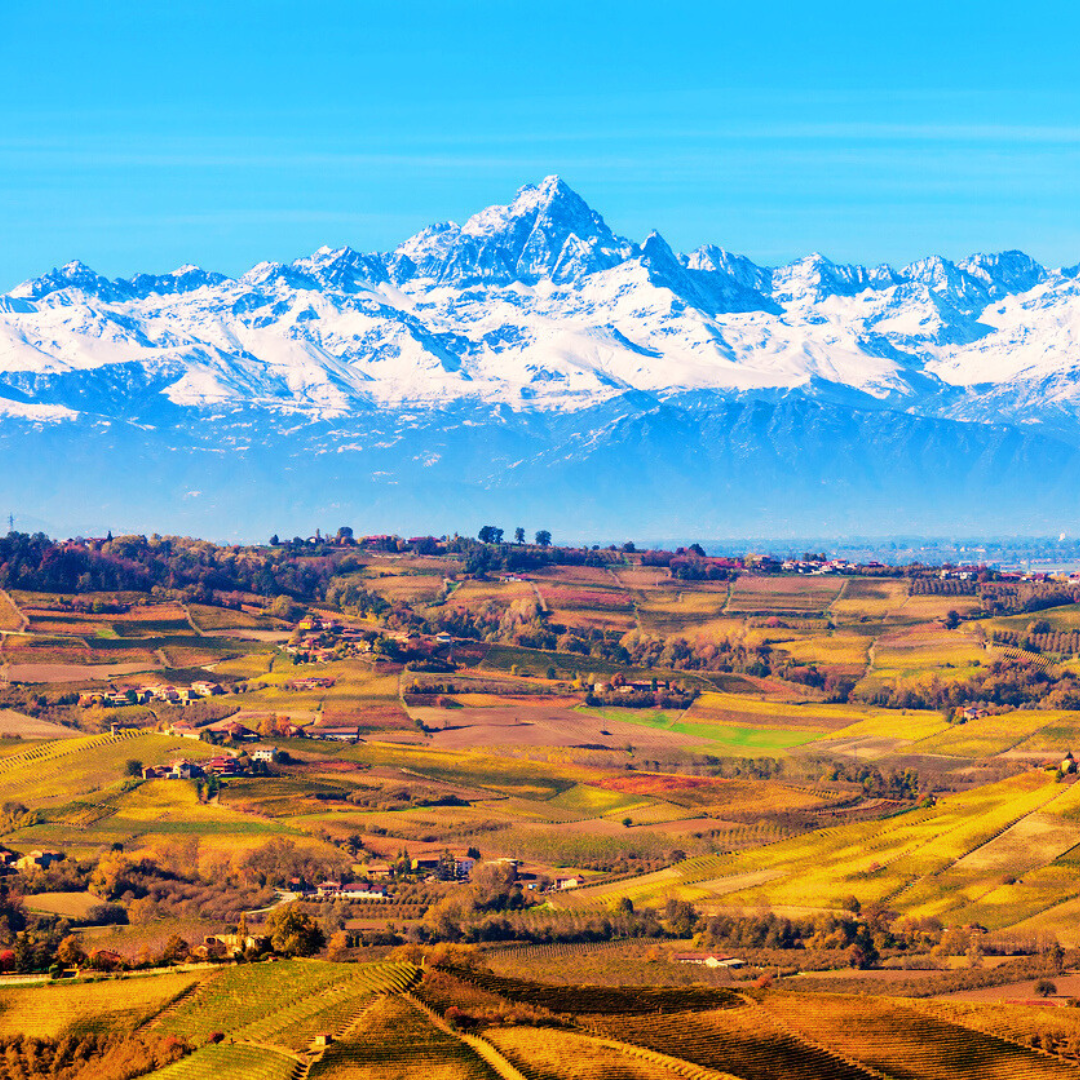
(532, 358)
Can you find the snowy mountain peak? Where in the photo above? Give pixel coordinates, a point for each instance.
(74, 275)
(1004, 273)
(552, 198)
(183, 279)
(816, 277)
(738, 268)
(342, 269)
(547, 231)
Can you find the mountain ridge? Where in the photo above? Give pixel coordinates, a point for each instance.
(534, 324)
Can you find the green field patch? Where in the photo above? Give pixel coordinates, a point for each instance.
(731, 739)
(740, 740)
(654, 718)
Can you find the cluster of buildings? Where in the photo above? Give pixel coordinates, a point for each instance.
(224, 765)
(145, 695)
(444, 867)
(222, 946)
(331, 734)
(959, 573)
(227, 729)
(182, 769)
(321, 640)
(648, 686)
(336, 890)
(10, 861)
(313, 682)
(818, 566)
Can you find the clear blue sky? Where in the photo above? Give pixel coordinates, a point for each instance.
(139, 136)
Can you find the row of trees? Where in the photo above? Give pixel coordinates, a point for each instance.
(492, 534)
(198, 569)
(1011, 682)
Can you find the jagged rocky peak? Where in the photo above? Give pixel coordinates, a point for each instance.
(547, 231)
(948, 282)
(743, 271)
(183, 279)
(272, 276)
(656, 251)
(78, 276)
(710, 280)
(423, 255)
(1004, 273)
(72, 275)
(815, 277)
(342, 269)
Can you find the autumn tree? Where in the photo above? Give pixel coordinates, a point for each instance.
(70, 952)
(176, 950)
(292, 933)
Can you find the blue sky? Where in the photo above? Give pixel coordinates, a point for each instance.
(140, 136)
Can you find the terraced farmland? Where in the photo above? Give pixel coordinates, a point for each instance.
(232, 1063)
(256, 995)
(779, 594)
(737, 1040)
(116, 1005)
(570, 1055)
(396, 1041)
(902, 1042)
(602, 1000)
(330, 1009)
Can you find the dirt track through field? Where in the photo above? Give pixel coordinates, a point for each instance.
(24, 622)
